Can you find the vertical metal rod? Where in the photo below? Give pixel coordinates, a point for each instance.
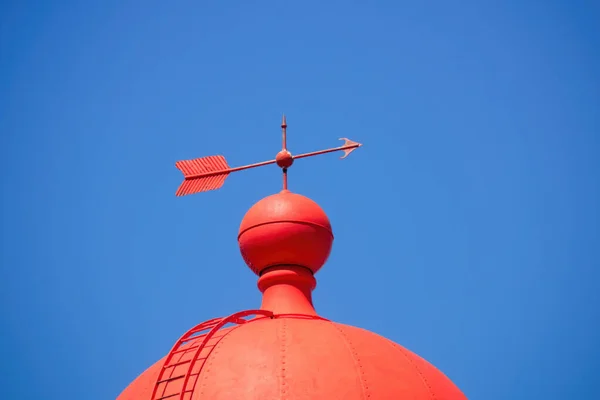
(284, 147)
(283, 133)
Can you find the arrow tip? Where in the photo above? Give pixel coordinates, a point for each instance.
(348, 142)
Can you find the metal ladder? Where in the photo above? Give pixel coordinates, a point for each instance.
(196, 339)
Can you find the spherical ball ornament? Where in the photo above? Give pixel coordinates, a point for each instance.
(285, 229)
(284, 159)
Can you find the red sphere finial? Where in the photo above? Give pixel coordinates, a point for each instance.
(285, 229)
(284, 159)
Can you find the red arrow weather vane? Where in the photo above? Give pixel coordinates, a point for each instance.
(209, 173)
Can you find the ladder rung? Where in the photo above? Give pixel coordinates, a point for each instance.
(192, 348)
(173, 378)
(196, 332)
(215, 335)
(204, 327)
(203, 336)
(212, 324)
(212, 321)
(190, 338)
(193, 334)
(186, 349)
(177, 363)
(168, 397)
(183, 362)
(174, 394)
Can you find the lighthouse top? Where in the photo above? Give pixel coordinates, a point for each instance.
(283, 350)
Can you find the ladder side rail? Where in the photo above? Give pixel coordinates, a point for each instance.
(214, 325)
(180, 342)
(236, 318)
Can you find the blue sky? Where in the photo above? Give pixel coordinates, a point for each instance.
(467, 226)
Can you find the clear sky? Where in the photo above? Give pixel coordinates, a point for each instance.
(467, 226)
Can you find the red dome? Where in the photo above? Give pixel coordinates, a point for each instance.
(285, 229)
(287, 351)
(296, 358)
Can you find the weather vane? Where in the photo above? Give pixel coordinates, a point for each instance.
(209, 173)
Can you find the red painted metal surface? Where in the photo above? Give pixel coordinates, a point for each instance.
(285, 229)
(209, 173)
(195, 341)
(299, 358)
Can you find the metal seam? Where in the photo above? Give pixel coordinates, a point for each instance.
(283, 390)
(205, 369)
(421, 375)
(356, 358)
(313, 224)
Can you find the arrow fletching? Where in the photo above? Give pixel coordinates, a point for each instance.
(202, 174)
